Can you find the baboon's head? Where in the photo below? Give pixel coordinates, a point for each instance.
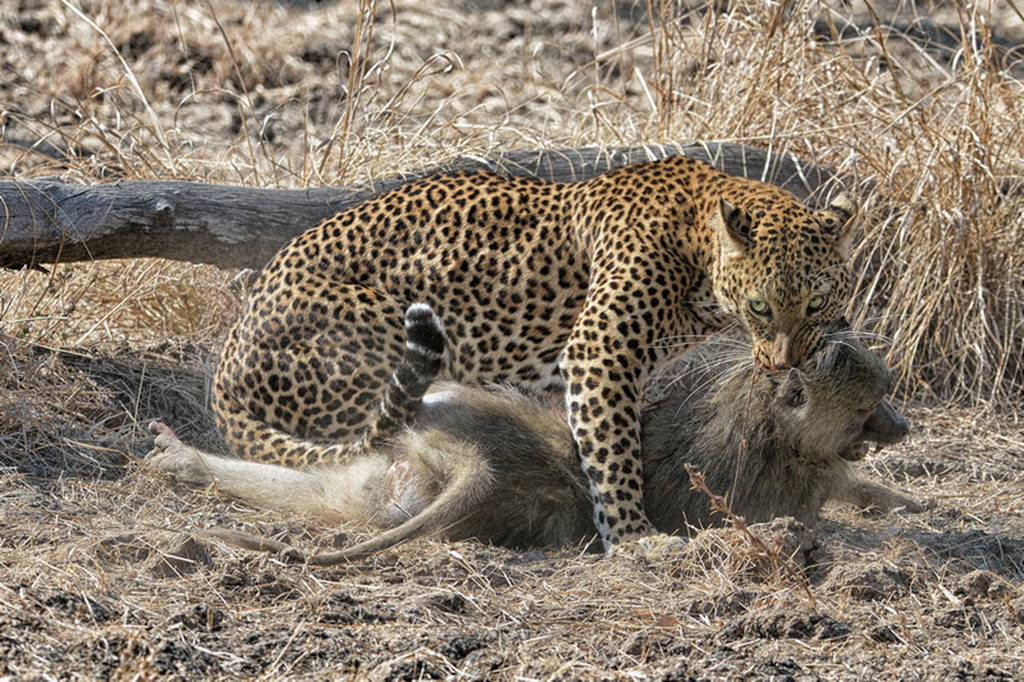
(835, 403)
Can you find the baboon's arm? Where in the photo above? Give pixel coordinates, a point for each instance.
(864, 493)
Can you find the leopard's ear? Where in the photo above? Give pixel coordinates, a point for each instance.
(842, 217)
(732, 227)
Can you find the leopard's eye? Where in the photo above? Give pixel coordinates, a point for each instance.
(759, 307)
(816, 303)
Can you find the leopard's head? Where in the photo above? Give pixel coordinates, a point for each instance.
(782, 271)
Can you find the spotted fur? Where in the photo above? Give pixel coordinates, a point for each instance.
(580, 287)
(421, 363)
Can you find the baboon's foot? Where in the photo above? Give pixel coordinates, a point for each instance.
(656, 546)
(405, 497)
(169, 454)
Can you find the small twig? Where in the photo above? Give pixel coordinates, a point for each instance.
(721, 505)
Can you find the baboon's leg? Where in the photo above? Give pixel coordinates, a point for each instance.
(266, 486)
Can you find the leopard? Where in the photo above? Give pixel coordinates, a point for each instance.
(497, 465)
(576, 290)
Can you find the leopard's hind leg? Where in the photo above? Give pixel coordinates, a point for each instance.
(303, 406)
(360, 489)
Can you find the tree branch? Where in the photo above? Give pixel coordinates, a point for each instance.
(48, 220)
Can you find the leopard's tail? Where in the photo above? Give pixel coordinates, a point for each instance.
(420, 366)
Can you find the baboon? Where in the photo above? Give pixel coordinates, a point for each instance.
(499, 466)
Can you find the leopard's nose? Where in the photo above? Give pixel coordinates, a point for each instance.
(777, 353)
(767, 360)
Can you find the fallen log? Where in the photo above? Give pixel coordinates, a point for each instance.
(44, 221)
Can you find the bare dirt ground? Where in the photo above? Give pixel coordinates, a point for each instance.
(107, 571)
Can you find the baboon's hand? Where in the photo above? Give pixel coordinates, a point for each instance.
(911, 505)
(894, 498)
(653, 546)
(876, 496)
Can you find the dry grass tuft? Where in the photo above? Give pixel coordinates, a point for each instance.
(114, 303)
(83, 414)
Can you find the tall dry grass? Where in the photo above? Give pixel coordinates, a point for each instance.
(927, 127)
(931, 134)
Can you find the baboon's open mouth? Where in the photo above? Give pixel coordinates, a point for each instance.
(859, 450)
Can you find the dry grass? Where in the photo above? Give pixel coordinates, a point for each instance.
(932, 139)
(121, 579)
(925, 126)
(104, 573)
